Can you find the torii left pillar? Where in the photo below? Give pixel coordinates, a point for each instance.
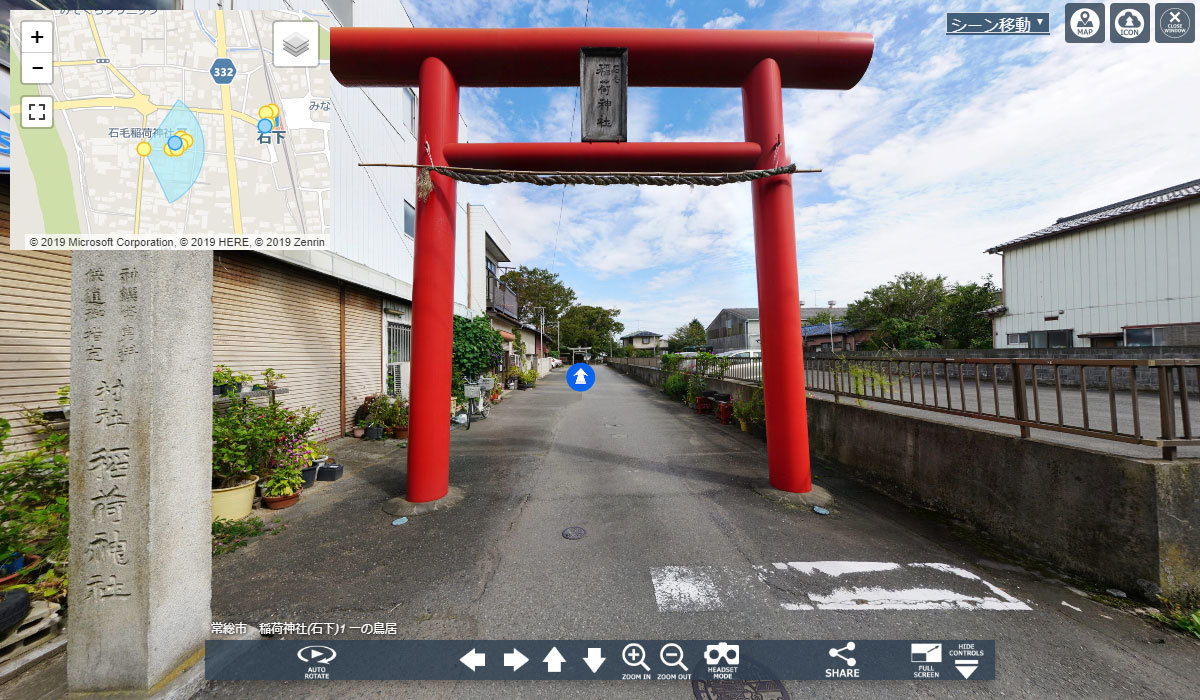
(433, 297)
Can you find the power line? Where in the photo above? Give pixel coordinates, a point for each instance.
(554, 259)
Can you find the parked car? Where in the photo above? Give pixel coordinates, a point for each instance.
(688, 363)
(743, 364)
(555, 362)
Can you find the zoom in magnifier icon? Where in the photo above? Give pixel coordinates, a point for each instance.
(634, 654)
(672, 655)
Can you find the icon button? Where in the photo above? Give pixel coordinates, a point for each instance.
(1175, 23)
(634, 654)
(926, 653)
(474, 659)
(672, 655)
(37, 37)
(37, 68)
(723, 653)
(1130, 22)
(295, 44)
(37, 112)
(594, 658)
(1084, 22)
(515, 659)
(850, 660)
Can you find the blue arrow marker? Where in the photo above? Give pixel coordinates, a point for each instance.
(580, 376)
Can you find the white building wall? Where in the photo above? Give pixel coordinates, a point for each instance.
(1135, 271)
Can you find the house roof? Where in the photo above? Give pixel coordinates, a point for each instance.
(1128, 207)
(823, 329)
(642, 334)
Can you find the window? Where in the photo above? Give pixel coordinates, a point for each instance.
(1052, 339)
(399, 350)
(1018, 338)
(1144, 337)
(410, 220)
(410, 99)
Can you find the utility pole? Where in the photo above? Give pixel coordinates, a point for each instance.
(541, 326)
(831, 303)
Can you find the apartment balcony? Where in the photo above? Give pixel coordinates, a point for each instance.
(501, 299)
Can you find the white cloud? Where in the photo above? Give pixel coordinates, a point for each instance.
(727, 20)
(679, 19)
(754, 3)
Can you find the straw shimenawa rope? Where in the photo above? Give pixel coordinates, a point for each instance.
(485, 176)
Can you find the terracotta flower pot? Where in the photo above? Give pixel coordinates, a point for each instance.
(359, 432)
(400, 432)
(281, 502)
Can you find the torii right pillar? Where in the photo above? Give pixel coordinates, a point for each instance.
(778, 287)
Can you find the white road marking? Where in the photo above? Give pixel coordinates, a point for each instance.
(829, 585)
(1072, 606)
(685, 589)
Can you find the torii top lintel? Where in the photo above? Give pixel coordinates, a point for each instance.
(549, 57)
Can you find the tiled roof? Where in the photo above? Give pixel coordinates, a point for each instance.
(823, 329)
(1136, 205)
(642, 334)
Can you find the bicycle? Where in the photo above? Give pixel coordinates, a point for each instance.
(478, 402)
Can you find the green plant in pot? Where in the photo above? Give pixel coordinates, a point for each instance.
(282, 489)
(397, 418)
(743, 412)
(378, 409)
(271, 378)
(227, 381)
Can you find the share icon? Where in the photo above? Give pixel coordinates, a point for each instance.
(850, 661)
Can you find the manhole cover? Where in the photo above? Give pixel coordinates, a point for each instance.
(750, 690)
(574, 533)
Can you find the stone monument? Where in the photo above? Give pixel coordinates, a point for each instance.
(141, 453)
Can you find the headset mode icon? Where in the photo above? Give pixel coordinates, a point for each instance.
(715, 654)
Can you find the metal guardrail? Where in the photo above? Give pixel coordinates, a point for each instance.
(957, 386)
(1099, 398)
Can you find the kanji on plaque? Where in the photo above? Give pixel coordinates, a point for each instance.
(603, 92)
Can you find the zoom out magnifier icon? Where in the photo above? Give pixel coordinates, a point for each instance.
(672, 655)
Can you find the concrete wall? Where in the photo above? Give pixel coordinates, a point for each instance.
(1126, 522)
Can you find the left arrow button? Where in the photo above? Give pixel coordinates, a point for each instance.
(474, 659)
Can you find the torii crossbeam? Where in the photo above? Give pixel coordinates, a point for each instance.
(440, 61)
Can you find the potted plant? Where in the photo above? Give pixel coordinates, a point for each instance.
(513, 376)
(227, 381)
(282, 489)
(398, 418)
(238, 433)
(360, 428)
(743, 411)
(376, 410)
(271, 377)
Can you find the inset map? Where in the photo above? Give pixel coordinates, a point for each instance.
(169, 123)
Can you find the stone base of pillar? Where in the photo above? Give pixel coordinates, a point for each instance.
(817, 497)
(403, 506)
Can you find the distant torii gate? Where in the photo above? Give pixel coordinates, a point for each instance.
(439, 61)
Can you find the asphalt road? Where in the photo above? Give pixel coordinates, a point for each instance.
(674, 536)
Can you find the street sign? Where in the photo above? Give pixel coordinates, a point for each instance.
(603, 92)
(581, 376)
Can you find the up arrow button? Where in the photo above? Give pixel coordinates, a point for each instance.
(554, 661)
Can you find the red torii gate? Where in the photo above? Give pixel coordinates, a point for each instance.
(439, 61)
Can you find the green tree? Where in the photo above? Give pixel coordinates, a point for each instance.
(691, 334)
(590, 326)
(821, 318)
(536, 287)
(962, 326)
(911, 298)
(476, 350)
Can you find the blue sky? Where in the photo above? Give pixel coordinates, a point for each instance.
(947, 146)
